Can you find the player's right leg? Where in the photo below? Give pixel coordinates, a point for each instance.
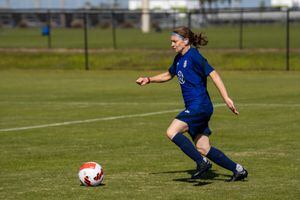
(174, 133)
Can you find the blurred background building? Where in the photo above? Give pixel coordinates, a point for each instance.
(64, 4)
(136, 4)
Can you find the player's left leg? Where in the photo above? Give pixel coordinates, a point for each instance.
(203, 145)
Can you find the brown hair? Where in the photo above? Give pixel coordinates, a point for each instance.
(195, 39)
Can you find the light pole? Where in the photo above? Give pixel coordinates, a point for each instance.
(62, 15)
(7, 4)
(62, 4)
(115, 4)
(37, 4)
(145, 16)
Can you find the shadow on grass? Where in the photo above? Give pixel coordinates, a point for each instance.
(206, 179)
(100, 185)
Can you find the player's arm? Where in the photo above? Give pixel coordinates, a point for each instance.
(160, 78)
(221, 87)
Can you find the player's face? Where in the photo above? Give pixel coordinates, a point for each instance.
(177, 44)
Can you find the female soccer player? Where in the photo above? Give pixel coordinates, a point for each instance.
(192, 70)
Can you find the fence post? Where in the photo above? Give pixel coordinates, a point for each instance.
(113, 26)
(49, 29)
(86, 53)
(288, 39)
(241, 29)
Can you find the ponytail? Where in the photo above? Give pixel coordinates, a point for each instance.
(197, 40)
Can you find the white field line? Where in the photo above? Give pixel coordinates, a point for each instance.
(129, 116)
(89, 120)
(90, 103)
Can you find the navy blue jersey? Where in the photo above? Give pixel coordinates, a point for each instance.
(192, 70)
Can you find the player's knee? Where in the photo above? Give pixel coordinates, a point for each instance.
(203, 149)
(170, 134)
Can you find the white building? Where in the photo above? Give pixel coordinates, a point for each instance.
(194, 4)
(164, 4)
(136, 4)
(286, 3)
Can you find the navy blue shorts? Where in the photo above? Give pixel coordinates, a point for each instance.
(197, 121)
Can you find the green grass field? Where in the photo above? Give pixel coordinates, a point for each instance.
(139, 161)
(138, 59)
(225, 36)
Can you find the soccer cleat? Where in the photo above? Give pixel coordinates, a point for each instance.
(238, 176)
(201, 169)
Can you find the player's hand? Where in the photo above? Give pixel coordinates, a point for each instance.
(143, 81)
(231, 106)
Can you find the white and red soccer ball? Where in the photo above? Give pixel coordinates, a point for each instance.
(91, 174)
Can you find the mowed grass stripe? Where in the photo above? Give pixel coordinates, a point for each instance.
(130, 116)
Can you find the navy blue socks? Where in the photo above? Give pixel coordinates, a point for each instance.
(221, 159)
(214, 154)
(187, 147)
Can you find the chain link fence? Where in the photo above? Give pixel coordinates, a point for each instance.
(238, 29)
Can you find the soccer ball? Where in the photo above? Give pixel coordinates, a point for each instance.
(91, 174)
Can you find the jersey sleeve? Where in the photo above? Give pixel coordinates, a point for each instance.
(201, 64)
(172, 68)
(208, 68)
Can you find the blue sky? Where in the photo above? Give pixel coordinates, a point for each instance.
(56, 3)
(81, 3)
